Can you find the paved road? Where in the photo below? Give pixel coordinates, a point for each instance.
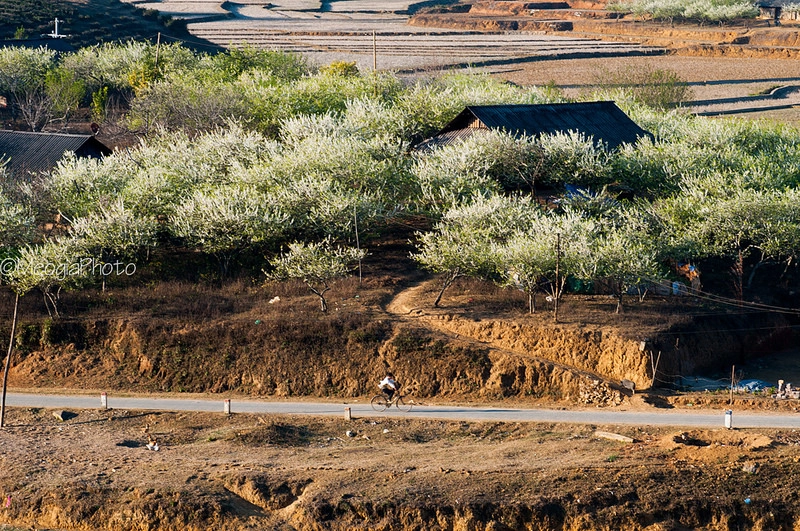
(593, 416)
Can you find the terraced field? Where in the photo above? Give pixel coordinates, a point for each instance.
(343, 30)
(379, 35)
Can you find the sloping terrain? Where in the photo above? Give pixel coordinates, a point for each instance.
(271, 340)
(87, 22)
(749, 38)
(243, 472)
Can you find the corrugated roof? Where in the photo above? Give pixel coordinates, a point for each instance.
(39, 152)
(601, 120)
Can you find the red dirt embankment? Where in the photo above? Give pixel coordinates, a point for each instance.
(243, 472)
(479, 345)
(747, 38)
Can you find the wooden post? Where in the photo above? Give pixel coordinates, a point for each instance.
(654, 365)
(733, 372)
(8, 362)
(374, 51)
(158, 47)
(558, 287)
(358, 245)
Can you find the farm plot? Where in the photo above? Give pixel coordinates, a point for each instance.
(403, 48)
(185, 9)
(327, 31)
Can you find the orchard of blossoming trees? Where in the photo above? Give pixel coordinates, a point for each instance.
(257, 159)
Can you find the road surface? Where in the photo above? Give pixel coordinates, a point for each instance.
(703, 418)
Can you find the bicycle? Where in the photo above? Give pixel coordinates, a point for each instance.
(381, 403)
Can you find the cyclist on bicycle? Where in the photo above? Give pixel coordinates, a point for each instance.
(389, 385)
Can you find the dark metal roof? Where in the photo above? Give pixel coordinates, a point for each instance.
(39, 152)
(601, 120)
(774, 3)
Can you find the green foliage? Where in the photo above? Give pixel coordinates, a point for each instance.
(234, 62)
(64, 91)
(122, 67)
(20, 33)
(16, 223)
(317, 264)
(700, 10)
(341, 68)
(184, 103)
(658, 88)
(485, 162)
(99, 105)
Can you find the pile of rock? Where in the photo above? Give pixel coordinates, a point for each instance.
(593, 391)
(785, 391)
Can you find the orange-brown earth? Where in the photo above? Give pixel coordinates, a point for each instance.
(212, 471)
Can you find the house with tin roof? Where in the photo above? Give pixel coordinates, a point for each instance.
(25, 153)
(602, 121)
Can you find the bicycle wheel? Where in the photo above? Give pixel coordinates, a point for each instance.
(379, 403)
(402, 405)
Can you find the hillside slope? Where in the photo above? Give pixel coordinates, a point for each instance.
(89, 22)
(242, 338)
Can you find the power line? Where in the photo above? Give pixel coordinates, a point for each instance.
(702, 295)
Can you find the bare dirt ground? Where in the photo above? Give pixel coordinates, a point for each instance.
(94, 469)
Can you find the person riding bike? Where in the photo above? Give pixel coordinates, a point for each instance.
(389, 386)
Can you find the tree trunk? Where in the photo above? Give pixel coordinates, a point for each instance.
(447, 282)
(8, 362)
(321, 294)
(531, 302)
(737, 272)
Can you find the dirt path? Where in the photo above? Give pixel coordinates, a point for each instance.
(585, 385)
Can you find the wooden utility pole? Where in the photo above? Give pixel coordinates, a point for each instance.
(374, 51)
(558, 284)
(158, 48)
(8, 362)
(358, 245)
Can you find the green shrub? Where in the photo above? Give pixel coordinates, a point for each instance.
(655, 87)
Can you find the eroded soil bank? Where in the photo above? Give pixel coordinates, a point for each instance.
(94, 471)
(476, 346)
(241, 472)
